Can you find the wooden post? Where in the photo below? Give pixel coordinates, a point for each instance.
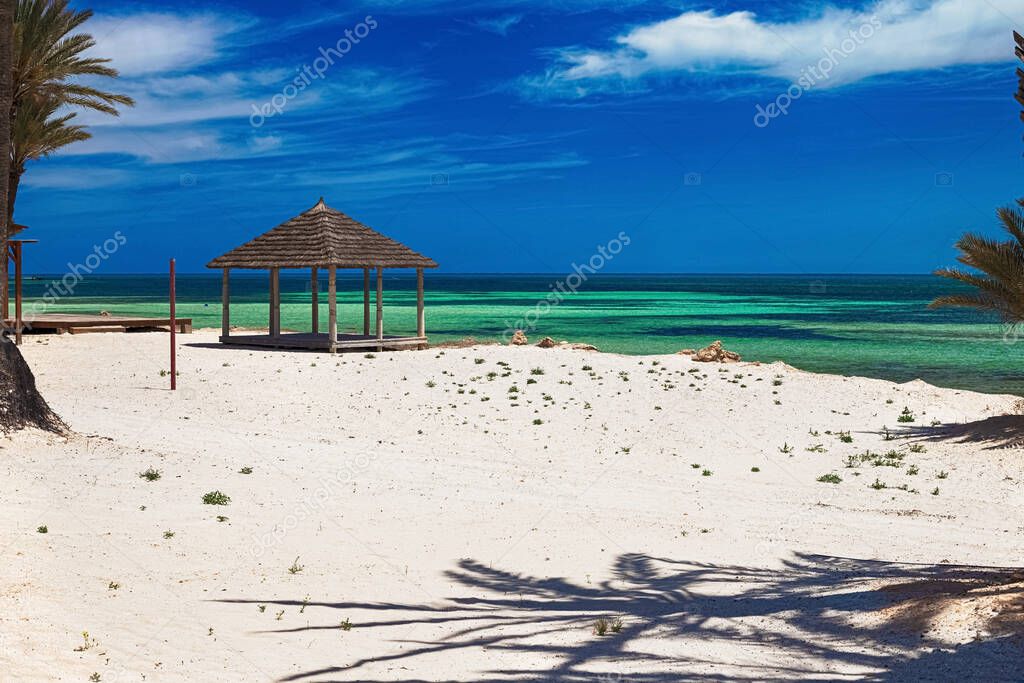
(332, 307)
(366, 302)
(5, 293)
(17, 293)
(275, 302)
(174, 329)
(315, 289)
(225, 303)
(380, 308)
(421, 323)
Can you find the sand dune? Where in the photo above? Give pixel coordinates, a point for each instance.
(472, 514)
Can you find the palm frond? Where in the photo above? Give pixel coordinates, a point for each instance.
(997, 271)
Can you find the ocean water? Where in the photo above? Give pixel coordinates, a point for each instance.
(874, 326)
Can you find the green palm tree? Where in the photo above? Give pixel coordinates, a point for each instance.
(48, 63)
(39, 130)
(999, 276)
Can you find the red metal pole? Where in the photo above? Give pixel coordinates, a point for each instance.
(174, 325)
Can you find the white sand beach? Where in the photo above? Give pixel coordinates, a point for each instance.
(411, 517)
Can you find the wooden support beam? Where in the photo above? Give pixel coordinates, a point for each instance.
(332, 307)
(17, 293)
(421, 323)
(314, 286)
(275, 302)
(225, 303)
(366, 302)
(380, 308)
(5, 294)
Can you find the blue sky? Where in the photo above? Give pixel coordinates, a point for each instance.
(520, 135)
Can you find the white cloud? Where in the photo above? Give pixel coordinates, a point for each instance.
(151, 43)
(888, 36)
(500, 25)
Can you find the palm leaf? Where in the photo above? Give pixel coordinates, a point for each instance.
(997, 271)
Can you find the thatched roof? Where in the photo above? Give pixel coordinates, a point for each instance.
(322, 237)
(15, 228)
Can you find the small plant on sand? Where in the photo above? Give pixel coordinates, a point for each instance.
(150, 474)
(935, 491)
(616, 625)
(478, 361)
(817, 448)
(912, 470)
(601, 627)
(245, 470)
(830, 478)
(906, 416)
(537, 371)
(786, 448)
(695, 465)
(918, 448)
(369, 355)
(431, 384)
(942, 475)
(538, 421)
(168, 534)
(95, 677)
(216, 498)
(755, 469)
(706, 473)
(878, 484)
(87, 642)
(587, 368)
(845, 437)
(221, 518)
(345, 625)
(113, 586)
(42, 529)
(296, 567)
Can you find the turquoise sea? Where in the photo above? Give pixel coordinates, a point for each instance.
(875, 326)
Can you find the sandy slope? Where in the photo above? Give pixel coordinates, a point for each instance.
(461, 541)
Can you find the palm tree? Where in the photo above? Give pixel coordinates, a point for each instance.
(38, 131)
(6, 97)
(20, 402)
(999, 279)
(44, 57)
(48, 61)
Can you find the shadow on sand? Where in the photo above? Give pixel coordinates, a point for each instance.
(994, 433)
(813, 618)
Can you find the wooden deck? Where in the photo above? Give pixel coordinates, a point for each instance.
(321, 342)
(81, 323)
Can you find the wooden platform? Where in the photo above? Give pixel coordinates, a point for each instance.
(81, 323)
(322, 342)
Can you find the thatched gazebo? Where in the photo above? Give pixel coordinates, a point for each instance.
(323, 238)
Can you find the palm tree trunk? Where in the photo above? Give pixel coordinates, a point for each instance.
(13, 181)
(6, 101)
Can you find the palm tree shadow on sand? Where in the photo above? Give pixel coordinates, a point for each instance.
(818, 618)
(993, 433)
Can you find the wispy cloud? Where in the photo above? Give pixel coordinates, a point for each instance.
(499, 25)
(152, 43)
(904, 36)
